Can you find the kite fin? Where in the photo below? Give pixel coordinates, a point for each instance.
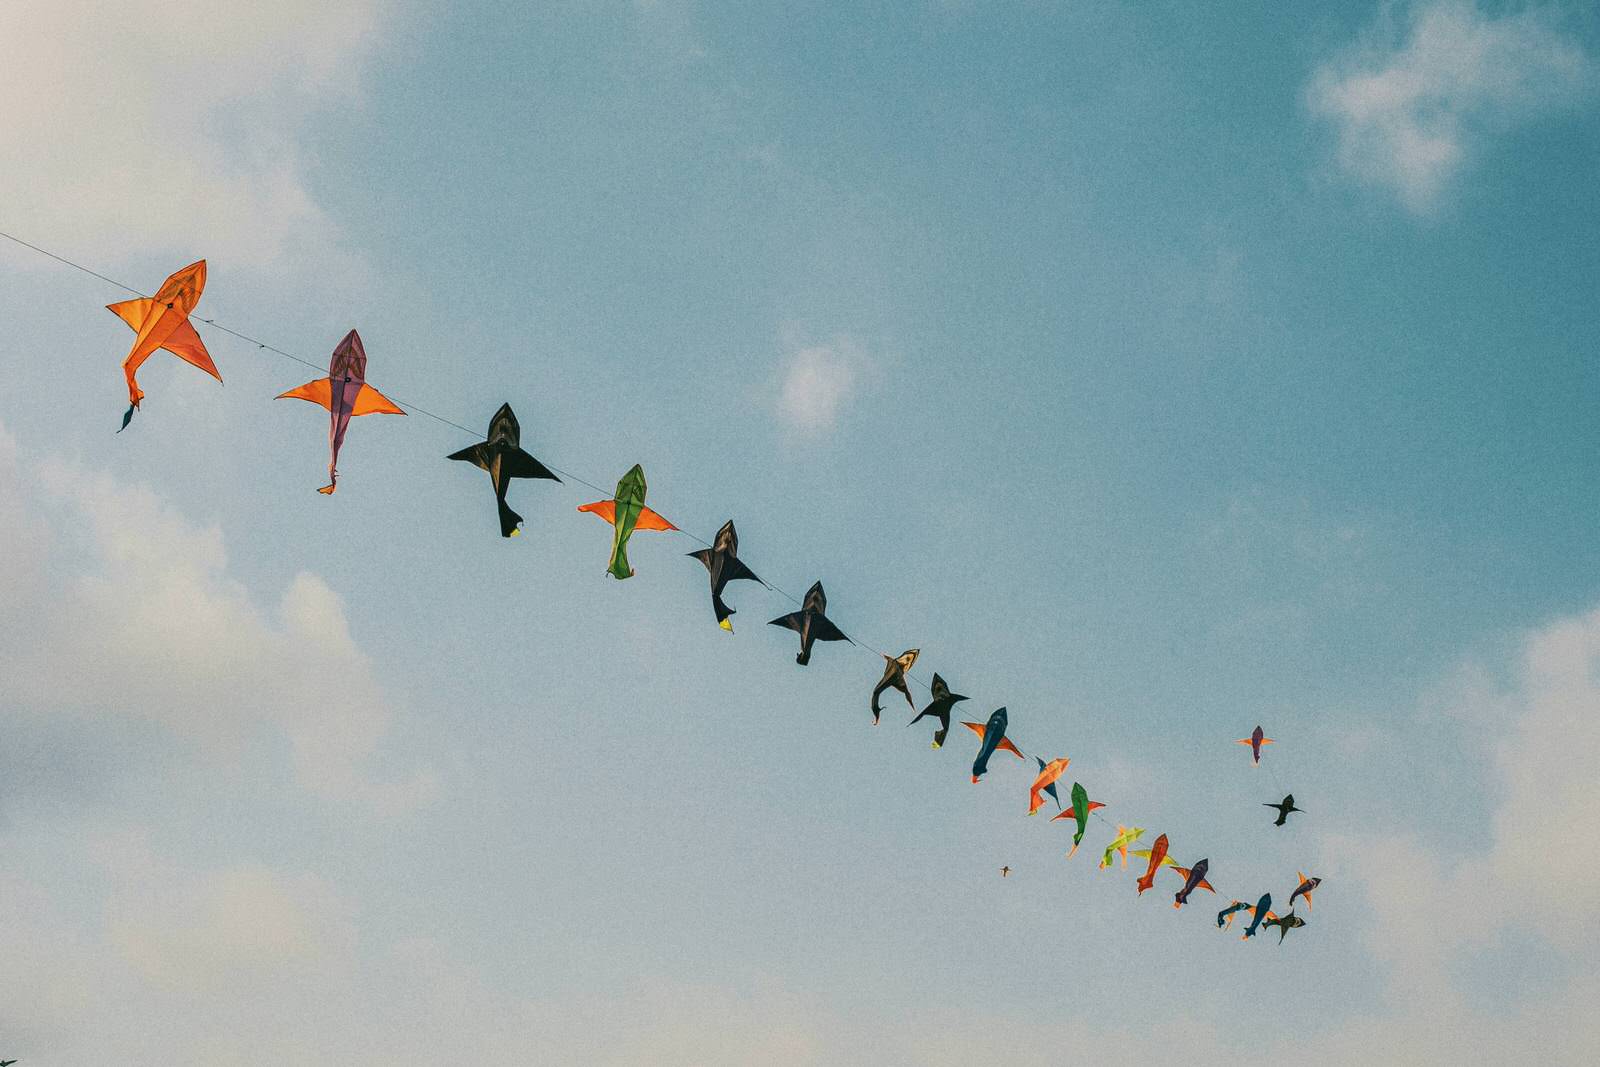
(606, 509)
(518, 464)
(824, 630)
(1005, 743)
(736, 570)
(1266, 740)
(477, 455)
(184, 343)
(726, 625)
(703, 555)
(371, 402)
(327, 490)
(978, 728)
(794, 621)
(318, 391)
(509, 520)
(1203, 884)
(132, 312)
(650, 520)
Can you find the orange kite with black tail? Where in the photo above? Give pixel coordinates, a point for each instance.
(162, 322)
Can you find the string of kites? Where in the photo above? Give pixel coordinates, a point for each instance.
(162, 323)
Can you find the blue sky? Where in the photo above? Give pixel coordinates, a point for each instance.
(1156, 371)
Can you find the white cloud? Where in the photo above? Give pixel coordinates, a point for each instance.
(173, 125)
(1409, 113)
(115, 604)
(818, 382)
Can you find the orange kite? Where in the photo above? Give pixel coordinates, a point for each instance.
(1047, 776)
(162, 321)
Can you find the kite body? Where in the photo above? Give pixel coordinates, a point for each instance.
(1048, 773)
(1158, 853)
(1283, 809)
(1259, 914)
(1225, 917)
(626, 513)
(939, 707)
(894, 675)
(162, 322)
(811, 623)
(1304, 889)
(1126, 835)
(722, 561)
(1289, 922)
(993, 737)
(1081, 807)
(502, 456)
(1193, 878)
(346, 394)
(1257, 738)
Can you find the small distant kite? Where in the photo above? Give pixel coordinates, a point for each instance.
(162, 322)
(626, 513)
(1304, 889)
(1157, 853)
(722, 560)
(1126, 835)
(811, 623)
(346, 394)
(939, 707)
(1048, 773)
(1283, 809)
(1193, 878)
(1257, 738)
(993, 737)
(1262, 912)
(1050, 789)
(1081, 807)
(894, 676)
(1004, 873)
(1225, 917)
(502, 456)
(1289, 922)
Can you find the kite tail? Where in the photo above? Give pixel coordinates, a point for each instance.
(723, 612)
(127, 417)
(509, 520)
(333, 482)
(804, 657)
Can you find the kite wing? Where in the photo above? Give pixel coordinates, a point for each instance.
(184, 343)
(371, 402)
(606, 509)
(649, 520)
(519, 464)
(823, 630)
(132, 312)
(318, 391)
(733, 570)
(795, 621)
(1005, 743)
(477, 455)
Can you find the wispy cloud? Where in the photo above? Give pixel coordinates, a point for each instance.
(1409, 109)
(818, 383)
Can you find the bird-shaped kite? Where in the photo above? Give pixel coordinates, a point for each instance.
(346, 394)
(894, 675)
(1304, 889)
(1004, 873)
(811, 623)
(1289, 922)
(162, 321)
(939, 707)
(1226, 916)
(502, 456)
(1262, 912)
(1157, 853)
(722, 561)
(1048, 773)
(626, 513)
(1081, 807)
(1126, 835)
(1283, 809)
(1050, 788)
(1193, 878)
(1257, 738)
(992, 736)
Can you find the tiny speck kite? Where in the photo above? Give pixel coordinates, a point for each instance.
(1126, 835)
(1283, 809)
(1158, 854)
(811, 623)
(1289, 922)
(1081, 807)
(1226, 916)
(1193, 878)
(1048, 773)
(162, 322)
(993, 737)
(1050, 789)
(939, 707)
(502, 456)
(1262, 912)
(722, 561)
(894, 676)
(1005, 872)
(1304, 889)
(1257, 738)
(626, 513)
(346, 394)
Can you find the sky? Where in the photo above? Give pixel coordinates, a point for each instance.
(1157, 370)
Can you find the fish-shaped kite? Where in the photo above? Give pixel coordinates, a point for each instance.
(1193, 878)
(1048, 773)
(1259, 914)
(626, 513)
(1050, 789)
(1289, 922)
(1304, 889)
(1158, 853)
(162, 322)
(993, 737)
(1257, 738)
(1225, 917)
(502, 456)
(939, 707)
(1284, 808)
(722, 560)
(1081, 807)
(811, 623)
(1126, 835)
(346, 394)
(894, 675)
